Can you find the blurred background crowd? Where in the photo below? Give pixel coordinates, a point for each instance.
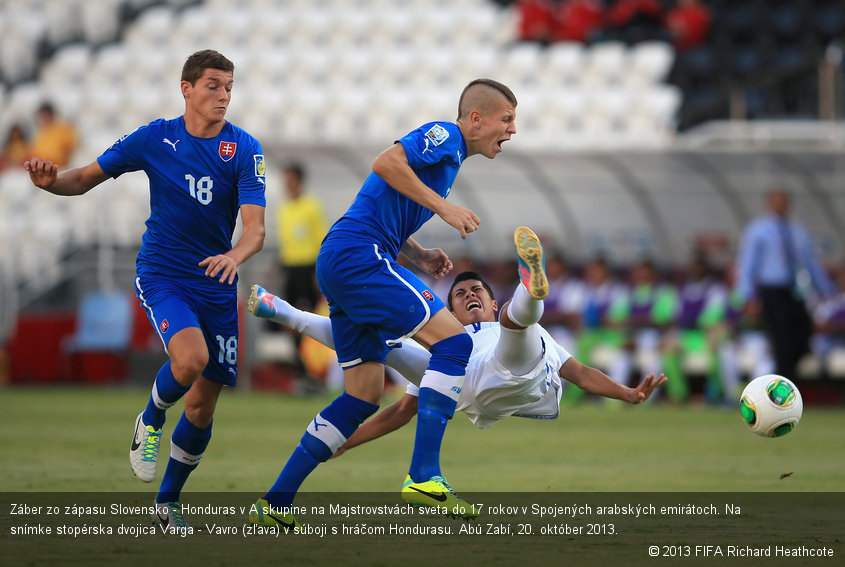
(650, 133)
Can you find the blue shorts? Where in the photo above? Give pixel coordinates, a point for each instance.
(374, 303)
(171, 307)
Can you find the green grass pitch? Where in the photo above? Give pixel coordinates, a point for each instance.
(76, 440)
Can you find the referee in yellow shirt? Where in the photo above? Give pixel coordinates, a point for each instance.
(301, 226)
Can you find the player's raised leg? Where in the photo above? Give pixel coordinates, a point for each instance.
(410, 361)
(520, 347)
(264, 304)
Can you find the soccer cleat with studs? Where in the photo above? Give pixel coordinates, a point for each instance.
(532, 266)
(169, 515)
(143, 452)
(260, 302)
(263, 514)
(436, 492)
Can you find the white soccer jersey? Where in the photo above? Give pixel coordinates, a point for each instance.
(491, 393)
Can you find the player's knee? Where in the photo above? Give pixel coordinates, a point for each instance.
(187, 367)
(450, 356)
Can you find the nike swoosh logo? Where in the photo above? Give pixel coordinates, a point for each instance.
(439, 497)
(284, 524)
(165, 520)
(136, 444)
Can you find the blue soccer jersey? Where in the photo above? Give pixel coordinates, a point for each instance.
(435, 152)
(197, 186)
(374, 302)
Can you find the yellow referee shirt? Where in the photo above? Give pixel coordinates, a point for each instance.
(301, 228)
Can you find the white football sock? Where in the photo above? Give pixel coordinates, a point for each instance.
(523, 309)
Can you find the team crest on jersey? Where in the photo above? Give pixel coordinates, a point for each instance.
(259, 165)
(227, 150)
(427, 294)
(437, 134)
(164, 326)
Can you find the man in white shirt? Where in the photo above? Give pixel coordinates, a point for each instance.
(516, 368)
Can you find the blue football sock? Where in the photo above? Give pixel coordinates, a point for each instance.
(166, 392)
(439, 390)
(325, 434)
(187, 446)
(435, 410)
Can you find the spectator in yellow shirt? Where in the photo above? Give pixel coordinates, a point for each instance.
(15, 149)
(55, 140)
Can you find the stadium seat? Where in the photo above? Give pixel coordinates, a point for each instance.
(394, 67)
(347, 114)
(650, 62)
(192, 25)
(787, 19)
(18, 49)
(829, 21)
(110, 64)
(563, 63)
(697, 67)
(100, 21)
(98, 350)
(790, 59)
(153, 27)
(63, 21)
(605, 63)
(68, 66)
(569, 104)
(23, 100)
(15, 188)
(652, 115)
(745, 63)
(394, 107)
(520, 64)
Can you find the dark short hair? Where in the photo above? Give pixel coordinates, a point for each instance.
(47, 107)
(464, 276)
(197, 63)
(297, 169)
(503, 89)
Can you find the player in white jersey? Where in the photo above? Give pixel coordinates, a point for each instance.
(515, 369)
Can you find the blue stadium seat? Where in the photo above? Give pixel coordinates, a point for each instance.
(829, 20)
(104, 323)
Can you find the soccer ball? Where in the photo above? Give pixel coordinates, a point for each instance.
(771, 405)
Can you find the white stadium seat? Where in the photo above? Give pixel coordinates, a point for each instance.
(563, 64)
(100, 20)
(605, 63)
(650, 62)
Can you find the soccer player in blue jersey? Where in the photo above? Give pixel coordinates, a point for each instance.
(203, 171)
(375, 303)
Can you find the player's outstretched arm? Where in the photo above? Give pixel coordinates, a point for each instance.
(251, 241)
(44, 174)
(392, 166)
(597, 382)
(389, 419)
